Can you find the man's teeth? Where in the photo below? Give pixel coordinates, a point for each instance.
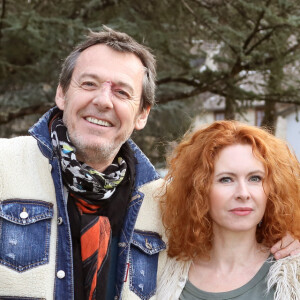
(98, 122)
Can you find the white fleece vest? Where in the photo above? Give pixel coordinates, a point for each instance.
(26, 174)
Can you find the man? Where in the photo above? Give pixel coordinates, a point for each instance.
(78, 218)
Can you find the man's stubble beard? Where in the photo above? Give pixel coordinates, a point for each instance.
(94, 153)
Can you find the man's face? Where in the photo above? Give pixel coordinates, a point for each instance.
(102, 104)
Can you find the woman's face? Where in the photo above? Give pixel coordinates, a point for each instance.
(237, 196)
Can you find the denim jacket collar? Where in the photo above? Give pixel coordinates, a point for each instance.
(145, 171)
(40, 132)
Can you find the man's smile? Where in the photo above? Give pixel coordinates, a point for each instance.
(98, 122)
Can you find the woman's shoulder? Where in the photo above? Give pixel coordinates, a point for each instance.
(284, 275)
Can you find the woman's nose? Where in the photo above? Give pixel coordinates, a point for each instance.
(242, 191)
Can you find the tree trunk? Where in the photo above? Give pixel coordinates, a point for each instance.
(229, 108)
(269, 119)
(274, 86)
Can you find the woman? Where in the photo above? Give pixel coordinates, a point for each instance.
(233, 191)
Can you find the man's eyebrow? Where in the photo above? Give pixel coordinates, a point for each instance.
(118, 83)
(89, 75)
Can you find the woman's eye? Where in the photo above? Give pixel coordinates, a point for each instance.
(225, 180)
(255, 178)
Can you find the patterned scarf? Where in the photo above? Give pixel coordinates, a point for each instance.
(91, 192)
(79, 177)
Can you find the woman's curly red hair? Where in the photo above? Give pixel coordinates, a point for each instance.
(184, 205)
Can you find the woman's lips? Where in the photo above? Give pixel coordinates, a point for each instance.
(241, 211)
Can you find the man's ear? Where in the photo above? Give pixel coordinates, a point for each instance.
(142, 118)
(60, 98)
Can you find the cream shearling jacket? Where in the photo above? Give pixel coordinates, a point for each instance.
(35, 240)
(284, 274)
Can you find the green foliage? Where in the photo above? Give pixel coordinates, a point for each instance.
(32, 43)
(166, 124)
(242, 39)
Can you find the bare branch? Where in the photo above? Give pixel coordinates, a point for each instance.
(188, 7)
(265, 37)
(181, 95)
(243, 14)
(190, 82)
(292, 49)
(209, 5)
(256, 27)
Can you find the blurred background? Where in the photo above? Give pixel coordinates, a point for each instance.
(216, 59)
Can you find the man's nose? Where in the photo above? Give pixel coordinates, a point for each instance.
(104, 96)
(242, 191)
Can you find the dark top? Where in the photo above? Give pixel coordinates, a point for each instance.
(255, 289)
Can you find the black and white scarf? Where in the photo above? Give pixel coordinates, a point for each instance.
(79, 177)
(93, 196)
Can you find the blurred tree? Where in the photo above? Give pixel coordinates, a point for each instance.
(249, 46)
(240, 50)
(252, 40)
(34, 37)
(166, 124)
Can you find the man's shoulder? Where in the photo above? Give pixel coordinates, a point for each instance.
(17, 143)
(154, 187)
(144, 170)
(18, 146)
(149, 214)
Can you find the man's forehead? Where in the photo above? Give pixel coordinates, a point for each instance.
(106, 55)
(103, 56)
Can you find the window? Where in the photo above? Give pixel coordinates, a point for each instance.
(219, 115)
(259, 116)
